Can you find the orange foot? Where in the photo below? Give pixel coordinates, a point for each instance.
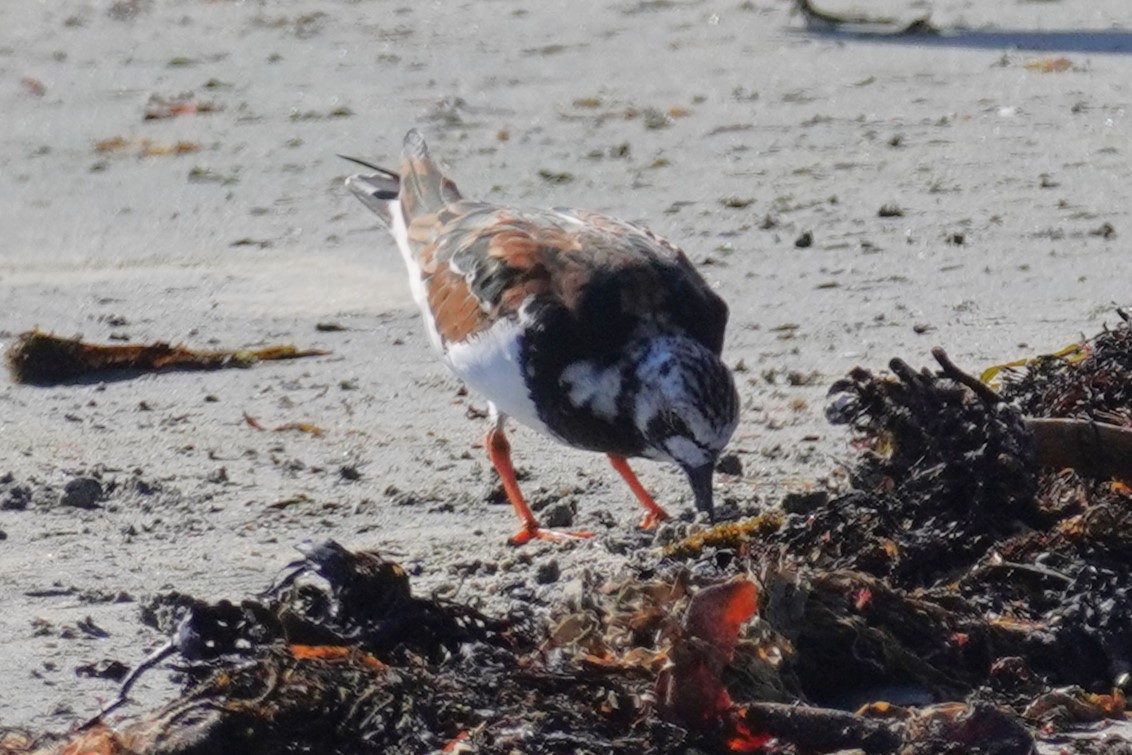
(533, 531)
(655, 514)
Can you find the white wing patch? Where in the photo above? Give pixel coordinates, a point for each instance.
(588, 387)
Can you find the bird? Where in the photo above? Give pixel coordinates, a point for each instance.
(592, 330)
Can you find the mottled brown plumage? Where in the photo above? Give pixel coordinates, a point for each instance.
(591, 329)
(481, 262)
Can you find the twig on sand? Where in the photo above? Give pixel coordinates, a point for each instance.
(978, 387)
(149, 662)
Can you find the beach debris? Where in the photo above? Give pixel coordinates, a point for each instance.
(303, 427)
(691, 688)
(824, 21)
(33, 86)
(1072, 353)
(339, 656)
(555, 176)
(979, 564)
(1105, 231)
(39, 358)
(144, 147)
(979, 468)
(160, 108)
(1087, 379)
(1050, 65)
(261, 243)
(814, 729)
(727, 535)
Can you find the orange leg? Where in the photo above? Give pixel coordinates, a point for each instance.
(499, 451)
(655, 514)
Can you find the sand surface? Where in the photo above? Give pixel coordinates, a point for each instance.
(725, 126)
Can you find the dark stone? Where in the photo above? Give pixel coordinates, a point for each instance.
(548, 572)
(16, 499)
(558, 514)
(803, 503)
(82, 493)
(729, 464)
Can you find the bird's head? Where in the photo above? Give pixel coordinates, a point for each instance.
(686, 408)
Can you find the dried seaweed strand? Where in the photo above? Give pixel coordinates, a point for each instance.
(38, 358)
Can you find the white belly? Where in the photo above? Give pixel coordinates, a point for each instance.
(489, 364)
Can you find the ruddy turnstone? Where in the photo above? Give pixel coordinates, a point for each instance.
(592, 330)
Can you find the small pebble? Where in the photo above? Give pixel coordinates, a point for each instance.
(557, 515)
(548, 572)
(16, 499)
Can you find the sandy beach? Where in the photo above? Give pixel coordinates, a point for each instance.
(170, 174)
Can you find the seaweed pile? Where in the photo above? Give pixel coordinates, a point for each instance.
(340, 657)
(1087, 380)
(961, 565)
(970, 593)
(977, 576)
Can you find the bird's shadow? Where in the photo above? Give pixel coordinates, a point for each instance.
(1107, 41)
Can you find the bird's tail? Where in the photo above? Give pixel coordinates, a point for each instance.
(424, 188)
